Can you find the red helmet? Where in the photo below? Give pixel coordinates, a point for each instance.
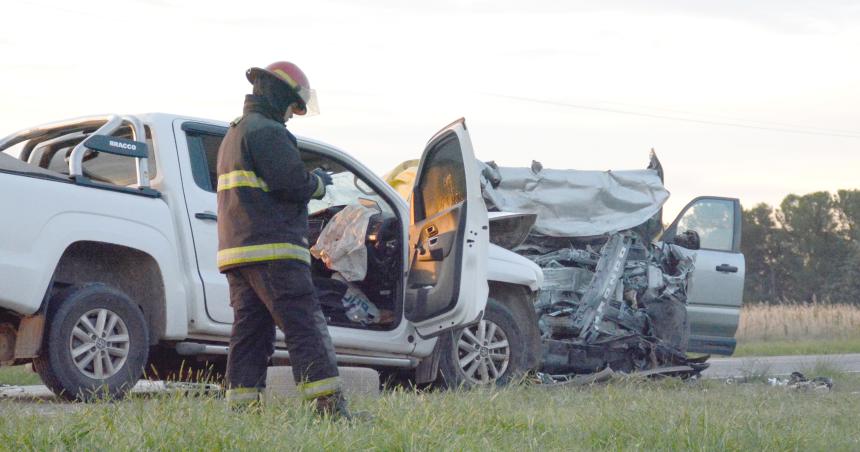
(293, 78)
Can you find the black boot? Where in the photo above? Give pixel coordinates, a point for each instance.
(334, 406)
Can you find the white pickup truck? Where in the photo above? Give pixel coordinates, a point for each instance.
(108, 244)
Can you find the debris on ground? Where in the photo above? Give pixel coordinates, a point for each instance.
(10, 390)
(606, 375)
(573, 380)
(798, 382)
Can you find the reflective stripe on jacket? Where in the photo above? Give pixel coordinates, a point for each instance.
(263, 191)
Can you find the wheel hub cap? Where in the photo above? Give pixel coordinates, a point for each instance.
(483, 352)
(99, 344)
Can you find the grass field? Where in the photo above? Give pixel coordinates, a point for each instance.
(625, 415)
(797, 347)
(798, 329)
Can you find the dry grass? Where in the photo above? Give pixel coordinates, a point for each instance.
(798, 329)
(790, 322)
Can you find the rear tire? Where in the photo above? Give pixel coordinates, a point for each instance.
(96, 344)
(491, 352)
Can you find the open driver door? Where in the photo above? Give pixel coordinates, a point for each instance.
(446, 286)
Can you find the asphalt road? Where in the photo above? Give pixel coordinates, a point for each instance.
(780, 365)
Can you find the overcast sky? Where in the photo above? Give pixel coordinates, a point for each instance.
(739, 98)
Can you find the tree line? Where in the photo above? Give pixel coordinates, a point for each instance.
(806, 250)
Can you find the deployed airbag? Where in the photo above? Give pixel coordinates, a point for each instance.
(341, 244)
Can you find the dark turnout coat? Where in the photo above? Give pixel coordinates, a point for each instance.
(263, 191)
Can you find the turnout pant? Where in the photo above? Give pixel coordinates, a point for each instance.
(278, 293)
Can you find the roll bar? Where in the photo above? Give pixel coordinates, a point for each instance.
(106, 124)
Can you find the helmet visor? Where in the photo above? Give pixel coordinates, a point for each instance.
(312, 106)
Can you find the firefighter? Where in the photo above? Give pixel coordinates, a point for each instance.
(263, 192)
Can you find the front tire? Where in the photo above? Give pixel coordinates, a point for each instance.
(96, 344)
(491, 352)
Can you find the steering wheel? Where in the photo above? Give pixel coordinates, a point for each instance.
(360, 186)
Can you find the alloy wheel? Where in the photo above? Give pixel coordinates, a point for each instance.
(483, 352)
(99, 343)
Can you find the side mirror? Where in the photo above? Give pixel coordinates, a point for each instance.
(688, 239)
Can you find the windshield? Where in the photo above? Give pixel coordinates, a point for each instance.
(346, 189)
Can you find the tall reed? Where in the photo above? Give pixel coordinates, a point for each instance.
(797, 321)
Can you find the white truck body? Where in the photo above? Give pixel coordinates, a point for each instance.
(169, 230)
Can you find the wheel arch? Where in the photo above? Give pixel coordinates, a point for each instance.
(134, 272)
(520, 301)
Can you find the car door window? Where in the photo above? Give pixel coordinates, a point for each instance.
(713, 220)
(203, 150)
(347, 187)
(443, 180)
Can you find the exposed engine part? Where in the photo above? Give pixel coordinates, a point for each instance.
(623, 308)
(567, 256)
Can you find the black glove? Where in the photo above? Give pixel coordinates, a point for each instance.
(323, 175)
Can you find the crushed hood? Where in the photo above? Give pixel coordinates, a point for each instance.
(575, 203)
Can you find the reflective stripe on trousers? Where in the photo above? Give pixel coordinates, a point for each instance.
(243, 396)
(320, 388)
(260, 253)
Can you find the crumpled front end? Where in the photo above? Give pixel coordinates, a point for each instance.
(611, 298)
(621, 305)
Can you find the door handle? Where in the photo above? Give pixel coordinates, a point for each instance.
(726, 268)
(206, 216)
